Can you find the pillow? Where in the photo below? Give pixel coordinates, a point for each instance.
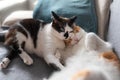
(84, 9)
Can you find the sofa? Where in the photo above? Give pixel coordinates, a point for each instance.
(108, 17)
(9, 6)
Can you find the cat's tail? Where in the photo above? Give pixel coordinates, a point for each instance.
(89, 75)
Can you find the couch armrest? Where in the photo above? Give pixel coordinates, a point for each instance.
(8, 6)
(16, 16)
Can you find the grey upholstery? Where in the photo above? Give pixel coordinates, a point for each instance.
(114, 26)
(17, 70)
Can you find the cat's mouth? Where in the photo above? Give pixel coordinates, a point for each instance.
(76, 39)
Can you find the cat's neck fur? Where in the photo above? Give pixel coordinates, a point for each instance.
(51, 31)
(53, 34)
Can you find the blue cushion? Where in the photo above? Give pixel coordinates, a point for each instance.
(84, 9)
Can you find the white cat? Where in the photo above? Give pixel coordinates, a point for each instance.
(88, 58)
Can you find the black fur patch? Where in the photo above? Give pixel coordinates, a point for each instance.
(66, 35)
(12, 54)
(13, 51)
(16, 47)
(59, 22)
(32, 26)
(60, 27)
(20, 29)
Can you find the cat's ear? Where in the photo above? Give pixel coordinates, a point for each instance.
(72, 19)
(55, 16)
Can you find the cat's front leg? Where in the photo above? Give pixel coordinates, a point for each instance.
(24, 56)
(59, 56)
(52, 60)
(10, 56)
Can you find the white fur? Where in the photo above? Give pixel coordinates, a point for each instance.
(4, 63)
(26, 58)
(86, 56)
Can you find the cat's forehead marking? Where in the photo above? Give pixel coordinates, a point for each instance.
(80, 74)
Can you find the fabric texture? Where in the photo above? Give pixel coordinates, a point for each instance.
(83, 9)
(114, 26)
(103, 11)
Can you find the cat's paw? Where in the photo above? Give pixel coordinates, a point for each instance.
(4, 63)
(28, 61)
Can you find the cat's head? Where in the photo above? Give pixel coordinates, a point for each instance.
(64, 27)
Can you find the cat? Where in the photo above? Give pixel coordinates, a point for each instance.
(88, 58)
(36, 36)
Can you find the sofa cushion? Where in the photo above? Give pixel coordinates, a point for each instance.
(84, 9)
(114, 28)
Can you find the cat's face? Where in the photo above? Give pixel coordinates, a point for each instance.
(64, 27)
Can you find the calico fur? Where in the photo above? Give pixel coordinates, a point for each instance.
(90, 58)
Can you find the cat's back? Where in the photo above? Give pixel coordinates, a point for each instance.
(30, 25)
(27, 31)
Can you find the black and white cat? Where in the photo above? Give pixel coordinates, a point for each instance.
(36, 36)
